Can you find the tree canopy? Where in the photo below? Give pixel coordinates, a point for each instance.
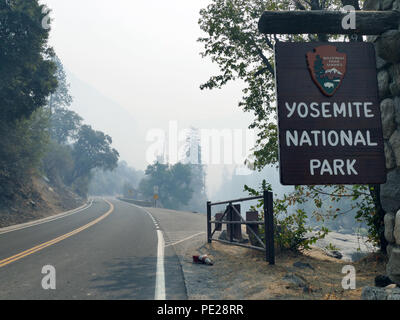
(233, 42)
(26, 80)
(26, 66)
(173, 184)
(38, 130)
(91, 150)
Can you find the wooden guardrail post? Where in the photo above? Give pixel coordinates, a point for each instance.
(234, 222)
(208, 222)
(252, 216)
(230, 226)
(269, 227)
(218, 217)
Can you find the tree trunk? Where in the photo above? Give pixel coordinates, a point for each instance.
(375, 191)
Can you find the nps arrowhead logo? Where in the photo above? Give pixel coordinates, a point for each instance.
(327, 67)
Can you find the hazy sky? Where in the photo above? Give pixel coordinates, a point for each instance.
(144, 56)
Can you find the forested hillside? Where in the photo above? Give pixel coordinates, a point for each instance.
(47, 153)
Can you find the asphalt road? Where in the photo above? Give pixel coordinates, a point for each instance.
(109, 250)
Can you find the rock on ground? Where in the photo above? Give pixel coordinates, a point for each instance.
(374, 293)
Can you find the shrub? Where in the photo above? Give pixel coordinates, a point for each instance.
(291, 231)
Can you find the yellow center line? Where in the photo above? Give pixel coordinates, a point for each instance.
(56, 240)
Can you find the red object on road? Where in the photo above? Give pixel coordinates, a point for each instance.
(203, 259)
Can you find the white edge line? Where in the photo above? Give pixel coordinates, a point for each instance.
(160, 272)
(46, 220)
(186, 239)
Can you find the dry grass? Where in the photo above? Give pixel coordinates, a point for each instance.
(37, 199)
(243, 274)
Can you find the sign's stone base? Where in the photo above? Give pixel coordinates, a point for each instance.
(387, 47)
(373, 293)
(392, 235)
(390, 191)
(393, 266)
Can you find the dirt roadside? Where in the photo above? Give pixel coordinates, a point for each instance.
(38, 200)
(242, 274)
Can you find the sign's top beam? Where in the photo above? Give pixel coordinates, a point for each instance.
(327, 22)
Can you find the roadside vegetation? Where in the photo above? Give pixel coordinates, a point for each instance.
(43, 139)
(232, 41)
(40, 135)
(180, 186)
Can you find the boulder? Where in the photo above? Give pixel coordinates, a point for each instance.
(394, 142)
(372, 5)
(380, 63)
(389, 227)
(296, 280)
(393, 294)
(387, 4)
(388, 118)
(389, 249)
(394, 88)
(390, 191)
(397, 110)
(383, 83)
(373, 293)
(387, 46)
(396, 229)
(393, 265)
(389, 156)
(334, 254)
(394, 73)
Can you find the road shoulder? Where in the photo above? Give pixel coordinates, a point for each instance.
(46, 219)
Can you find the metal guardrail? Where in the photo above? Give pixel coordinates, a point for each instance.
(234, 218)
(138, 202)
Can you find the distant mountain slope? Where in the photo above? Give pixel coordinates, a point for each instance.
(108, 116)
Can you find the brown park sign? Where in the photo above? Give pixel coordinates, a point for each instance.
(330, 129)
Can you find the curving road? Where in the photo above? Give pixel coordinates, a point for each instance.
(107, 250)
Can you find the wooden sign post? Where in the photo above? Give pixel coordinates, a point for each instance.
(330, 129)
